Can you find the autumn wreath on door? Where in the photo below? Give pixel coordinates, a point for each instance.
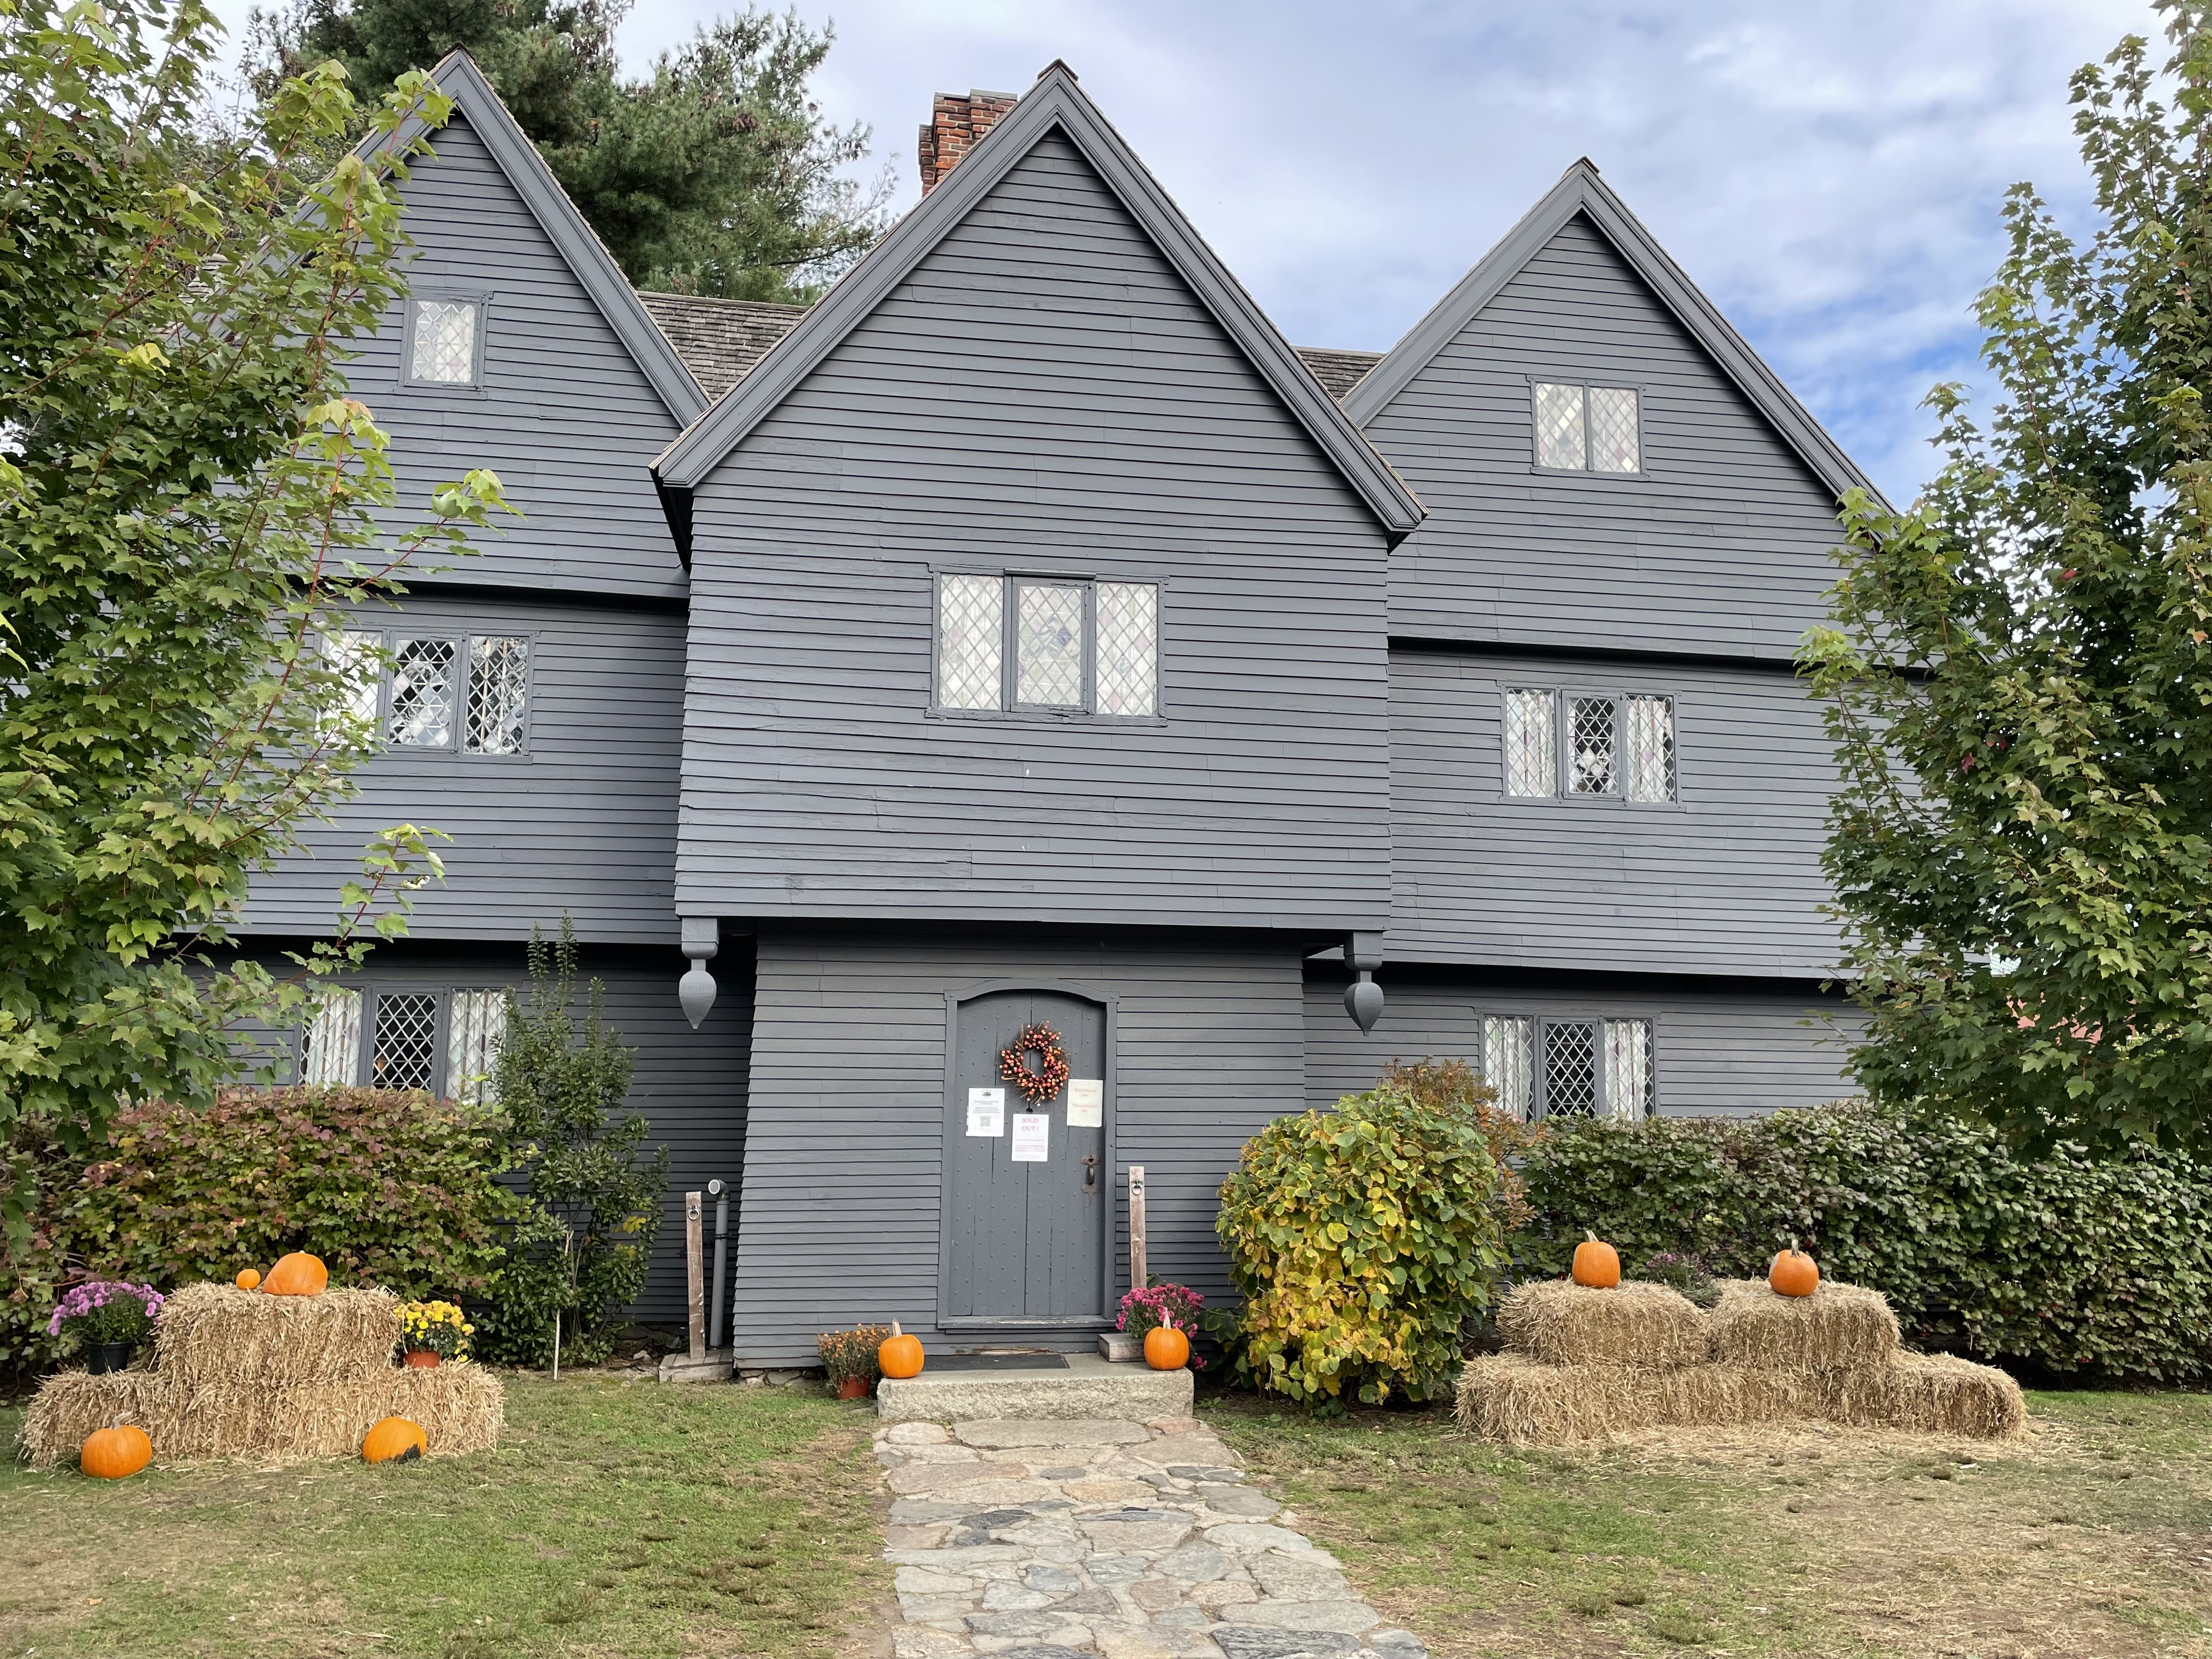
(1035, 1063)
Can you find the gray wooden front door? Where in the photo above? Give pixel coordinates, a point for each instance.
(1025, 1242)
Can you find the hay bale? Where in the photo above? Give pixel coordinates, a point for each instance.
(461, 1409)
(1837, 1326)
(1557, 1321)
(1927, 1394)
(1514, 1399)
(212, 1334)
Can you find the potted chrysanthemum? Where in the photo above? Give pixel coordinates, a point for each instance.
(431, 1332)
(106, 1318)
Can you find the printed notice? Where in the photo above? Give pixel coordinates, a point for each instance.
(1031, 1130)
(1086, 1103)
(986, 1111)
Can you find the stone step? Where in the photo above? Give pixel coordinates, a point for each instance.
(1089, 1388)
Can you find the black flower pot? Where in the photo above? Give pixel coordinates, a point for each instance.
(105, 1356)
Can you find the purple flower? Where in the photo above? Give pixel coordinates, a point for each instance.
(85, 1301)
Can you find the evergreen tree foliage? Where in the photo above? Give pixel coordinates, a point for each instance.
(594, 1195)
(714, 173)
(2019, 678)
(186, 492)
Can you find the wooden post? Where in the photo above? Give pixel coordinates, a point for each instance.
(693, 1265)
(1137, 1275)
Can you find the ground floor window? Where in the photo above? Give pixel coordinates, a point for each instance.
(1569, 1066)
(444, 1039)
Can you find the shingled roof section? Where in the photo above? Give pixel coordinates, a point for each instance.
(720, 340)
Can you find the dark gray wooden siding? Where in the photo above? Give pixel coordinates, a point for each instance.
(1043, 393)
(1725, 881)
(1722, 547)
(1718, 1048)
(844, 1147)
(584, 821)
(690, 1086)
(564, 416)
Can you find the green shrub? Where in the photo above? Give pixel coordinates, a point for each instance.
(387, 1187)
(1362, 1240)
(2071, 1264)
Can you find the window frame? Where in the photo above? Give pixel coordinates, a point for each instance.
(1624, 383)
(409, 308)
(1571, 1014)
(1011, 581)
(1565, 695)
(456, 747)
(372, 994)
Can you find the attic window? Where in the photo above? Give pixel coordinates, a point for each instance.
(442, 343)
(1588, 428)
(1048, 646)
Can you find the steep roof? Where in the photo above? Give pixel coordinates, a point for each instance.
(1055, 104)
(1581, 190)
(457, 76)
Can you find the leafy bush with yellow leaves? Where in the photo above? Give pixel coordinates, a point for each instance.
(1361, 1240)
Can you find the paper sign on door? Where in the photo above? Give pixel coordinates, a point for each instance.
(1086, 1103)
(1031, 1131)
(986, 1111)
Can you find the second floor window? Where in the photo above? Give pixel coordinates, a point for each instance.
(1048, 645)
(1588, 428)
(470, 692)
(1572, 744)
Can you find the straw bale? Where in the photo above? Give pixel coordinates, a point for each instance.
(1927, 1394)
(1512, 1398)
(210, 1334)
(460, 1407)
(1837, 1326)
(1557, 1321)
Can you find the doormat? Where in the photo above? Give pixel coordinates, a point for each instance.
(997, 1362)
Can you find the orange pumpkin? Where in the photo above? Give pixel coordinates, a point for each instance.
(1794, 1273)
(900, 1355)
(249, 1278)
(297, 1274)
(394, 1439)
(111, 1454)
(1166, 1348)
(1597, 1264)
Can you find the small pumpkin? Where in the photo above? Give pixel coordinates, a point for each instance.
(1166, 1348)
(297, 1274)
(1597, 1264)
(900, 1355)
(111, 1454)
(395, 1440)
(249, 1278)
(1794, 1273)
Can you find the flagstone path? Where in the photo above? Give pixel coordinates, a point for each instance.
(1035, 1539)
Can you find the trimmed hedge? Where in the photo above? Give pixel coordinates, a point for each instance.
(387, 1187)
(2072, 1265)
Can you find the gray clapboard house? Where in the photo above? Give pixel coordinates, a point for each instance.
(1026, 633)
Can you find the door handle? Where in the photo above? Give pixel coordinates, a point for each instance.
(1090, 1172)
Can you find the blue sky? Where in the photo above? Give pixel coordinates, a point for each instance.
(1829, 172)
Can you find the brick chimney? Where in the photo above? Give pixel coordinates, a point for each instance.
(957, 125)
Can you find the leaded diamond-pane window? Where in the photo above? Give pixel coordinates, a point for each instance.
(499, 676)
(1048, 646)
(330, 1046)
(423, 693)
(1613, 446)
(405, 1052)
(1628, 1068)
(1532, 761)
(357, 659)
(1590, 733)
(1571, 1068)
(1509, 1062)
(1559, 439)
(474, 1027)
(1129, 647)
(971, 639)
(445, 342)
(1648, 734)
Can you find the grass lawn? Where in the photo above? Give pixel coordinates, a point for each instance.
(634, 1519)
(2094, 1540)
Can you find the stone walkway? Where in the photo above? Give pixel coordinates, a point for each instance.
(1038, 1540)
